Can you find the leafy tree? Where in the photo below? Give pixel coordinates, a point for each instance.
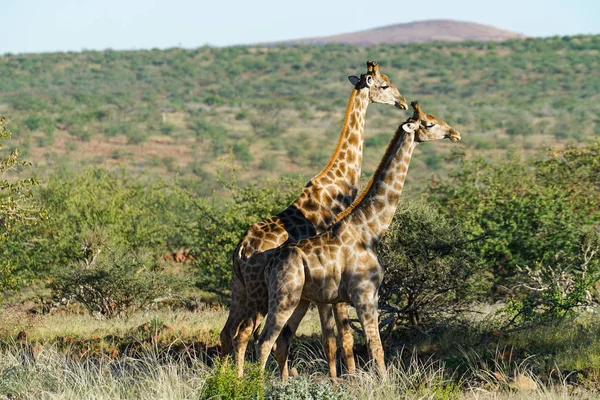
(431, 267)
(134, 214)
(16, 206)
(530, 211)
(559, 285)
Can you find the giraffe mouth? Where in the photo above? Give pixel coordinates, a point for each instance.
(401, 105)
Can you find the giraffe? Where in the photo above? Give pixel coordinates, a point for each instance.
(340, 265)
(325, 196)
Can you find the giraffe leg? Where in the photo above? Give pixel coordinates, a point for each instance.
(342, 321)
(225, 337)
(328, 336)
(368, 315)
(240, 342)
(280, 311)
(237, 323)
(284, 341)
(234, 319)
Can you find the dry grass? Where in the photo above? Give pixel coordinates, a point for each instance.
(203, 325)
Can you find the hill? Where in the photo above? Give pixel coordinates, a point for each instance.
(416, 32)
(279, 110)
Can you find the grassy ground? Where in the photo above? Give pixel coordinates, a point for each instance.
(171, 355)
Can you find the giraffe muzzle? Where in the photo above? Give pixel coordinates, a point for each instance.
(454, 135)
(401, 104)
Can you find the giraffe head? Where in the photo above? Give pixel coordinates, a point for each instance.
(381, 90)
(427, 127)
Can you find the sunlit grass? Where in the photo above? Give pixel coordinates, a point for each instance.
(153, 355)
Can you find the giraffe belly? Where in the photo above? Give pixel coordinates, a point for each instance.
(323, 286)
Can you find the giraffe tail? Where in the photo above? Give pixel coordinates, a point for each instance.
(238, 255)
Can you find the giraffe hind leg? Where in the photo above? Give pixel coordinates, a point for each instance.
(342, 321)
(328, 336)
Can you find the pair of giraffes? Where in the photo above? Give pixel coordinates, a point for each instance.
(322, 248)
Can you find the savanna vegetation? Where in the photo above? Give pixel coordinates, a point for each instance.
(280, 109)
(116, 242)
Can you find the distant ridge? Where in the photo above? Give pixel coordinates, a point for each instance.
(418, 31)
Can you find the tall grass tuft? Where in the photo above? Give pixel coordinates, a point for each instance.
(27, 374)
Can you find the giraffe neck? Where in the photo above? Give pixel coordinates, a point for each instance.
(373, 212)
(334, 188)
(347, 157)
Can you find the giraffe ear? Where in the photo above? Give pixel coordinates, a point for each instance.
(353, 79)
(409, 127)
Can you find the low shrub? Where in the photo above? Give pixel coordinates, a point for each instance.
(223, 383)
(110, 281)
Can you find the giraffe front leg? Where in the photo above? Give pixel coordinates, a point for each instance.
(328, 336)
(369, 319)
(275, 322)
(342, 321)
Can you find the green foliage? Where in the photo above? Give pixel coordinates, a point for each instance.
(225, 384)
(134, 215)
(305, 389)
(528, 211)
(558, 286)
(203, 129)
(110, 281)
(167, 128)
(431, 268)
(540, 221)
(17, 209)
(212, 227)
(242, 152)
(36, 122)
(535, 89)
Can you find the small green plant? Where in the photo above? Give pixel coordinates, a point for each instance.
(224, 383)
(167, 128)
(305, 389)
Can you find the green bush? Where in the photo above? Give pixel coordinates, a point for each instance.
(431, 267)
(134, 214)
(559, 285)
(167, 128)
(242, 152)
(528, 210)
(36, 122)
(212, 227)
(110, 280)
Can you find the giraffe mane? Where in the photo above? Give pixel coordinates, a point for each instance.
(341, 138)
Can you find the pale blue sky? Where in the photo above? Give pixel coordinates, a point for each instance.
(66, 25)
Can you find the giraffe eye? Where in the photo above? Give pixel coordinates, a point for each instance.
(429, 125)
(385, 87)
